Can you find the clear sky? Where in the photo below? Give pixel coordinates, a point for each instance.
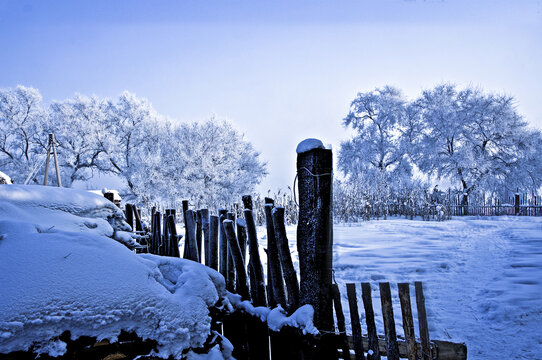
(281, 71)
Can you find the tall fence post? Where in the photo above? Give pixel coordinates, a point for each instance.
(315, 237)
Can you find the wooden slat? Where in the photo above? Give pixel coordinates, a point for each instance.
(408, 322)
(422, 322)
(355, 321)
(373, 350)
(389, 322)
(340, 321)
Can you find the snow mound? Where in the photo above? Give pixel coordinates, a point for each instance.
(54, 208)
(309, 144)
(58, 274)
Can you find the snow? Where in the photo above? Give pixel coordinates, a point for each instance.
(276, 318)
(481, 277)
(309, 144)
(58, 273)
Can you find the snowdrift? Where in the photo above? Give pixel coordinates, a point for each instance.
(60, 270)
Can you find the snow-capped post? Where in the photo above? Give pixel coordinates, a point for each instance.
(516, 204)
(255, 264)
(205, 228)
(315, 232)
(274, 280)
(392, 348)
(290, 276)
(213, 242)
(235, 250)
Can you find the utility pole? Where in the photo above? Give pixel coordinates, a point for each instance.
(51, 147)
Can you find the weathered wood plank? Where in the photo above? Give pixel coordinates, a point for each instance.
(408, 321)
(422, 322)
(355, 322)
(373, 350)
(343, 341)
(392, 348)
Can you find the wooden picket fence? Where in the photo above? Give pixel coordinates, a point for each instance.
(221, 242)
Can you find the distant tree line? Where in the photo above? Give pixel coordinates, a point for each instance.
(470, 139)
(209, 163)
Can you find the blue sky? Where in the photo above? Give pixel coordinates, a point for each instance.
(281, 71)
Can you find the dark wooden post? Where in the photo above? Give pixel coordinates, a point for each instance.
(137, 217)
(237, 258)
(186, 248)
(242, 236)
(315, 236)
(213, 242)
(314, 231)
(373, 350)
(516, 204)
(392, 348)
(340, 322)
(247, 202)
(190, 241)
(199, 229)
(230, 280)
(274, 276)
(205, 228)
(290, 276)
(355, 321)
(422, 322)
(173, 240)
(223, 247)
(255, 265)
(408, 321)
(129, 214)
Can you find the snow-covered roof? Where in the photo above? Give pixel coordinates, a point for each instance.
(4, 179)
(61, 270)
(116, 195)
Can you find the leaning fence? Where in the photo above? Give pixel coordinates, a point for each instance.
(227, 242)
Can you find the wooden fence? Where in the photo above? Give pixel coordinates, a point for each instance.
(221, 242)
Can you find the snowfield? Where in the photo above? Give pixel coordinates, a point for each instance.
(482, 277)
(61, 270)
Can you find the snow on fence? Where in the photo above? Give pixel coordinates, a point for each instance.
(267, 321)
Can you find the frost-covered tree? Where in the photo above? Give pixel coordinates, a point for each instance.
(21, 136)
(79, 124)
(476, 139)
(217, 164)
(377, 151)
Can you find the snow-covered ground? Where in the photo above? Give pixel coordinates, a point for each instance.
(62, 270)
(482, 277)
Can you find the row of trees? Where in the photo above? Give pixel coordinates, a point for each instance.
(473, 140)
(210, 163)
